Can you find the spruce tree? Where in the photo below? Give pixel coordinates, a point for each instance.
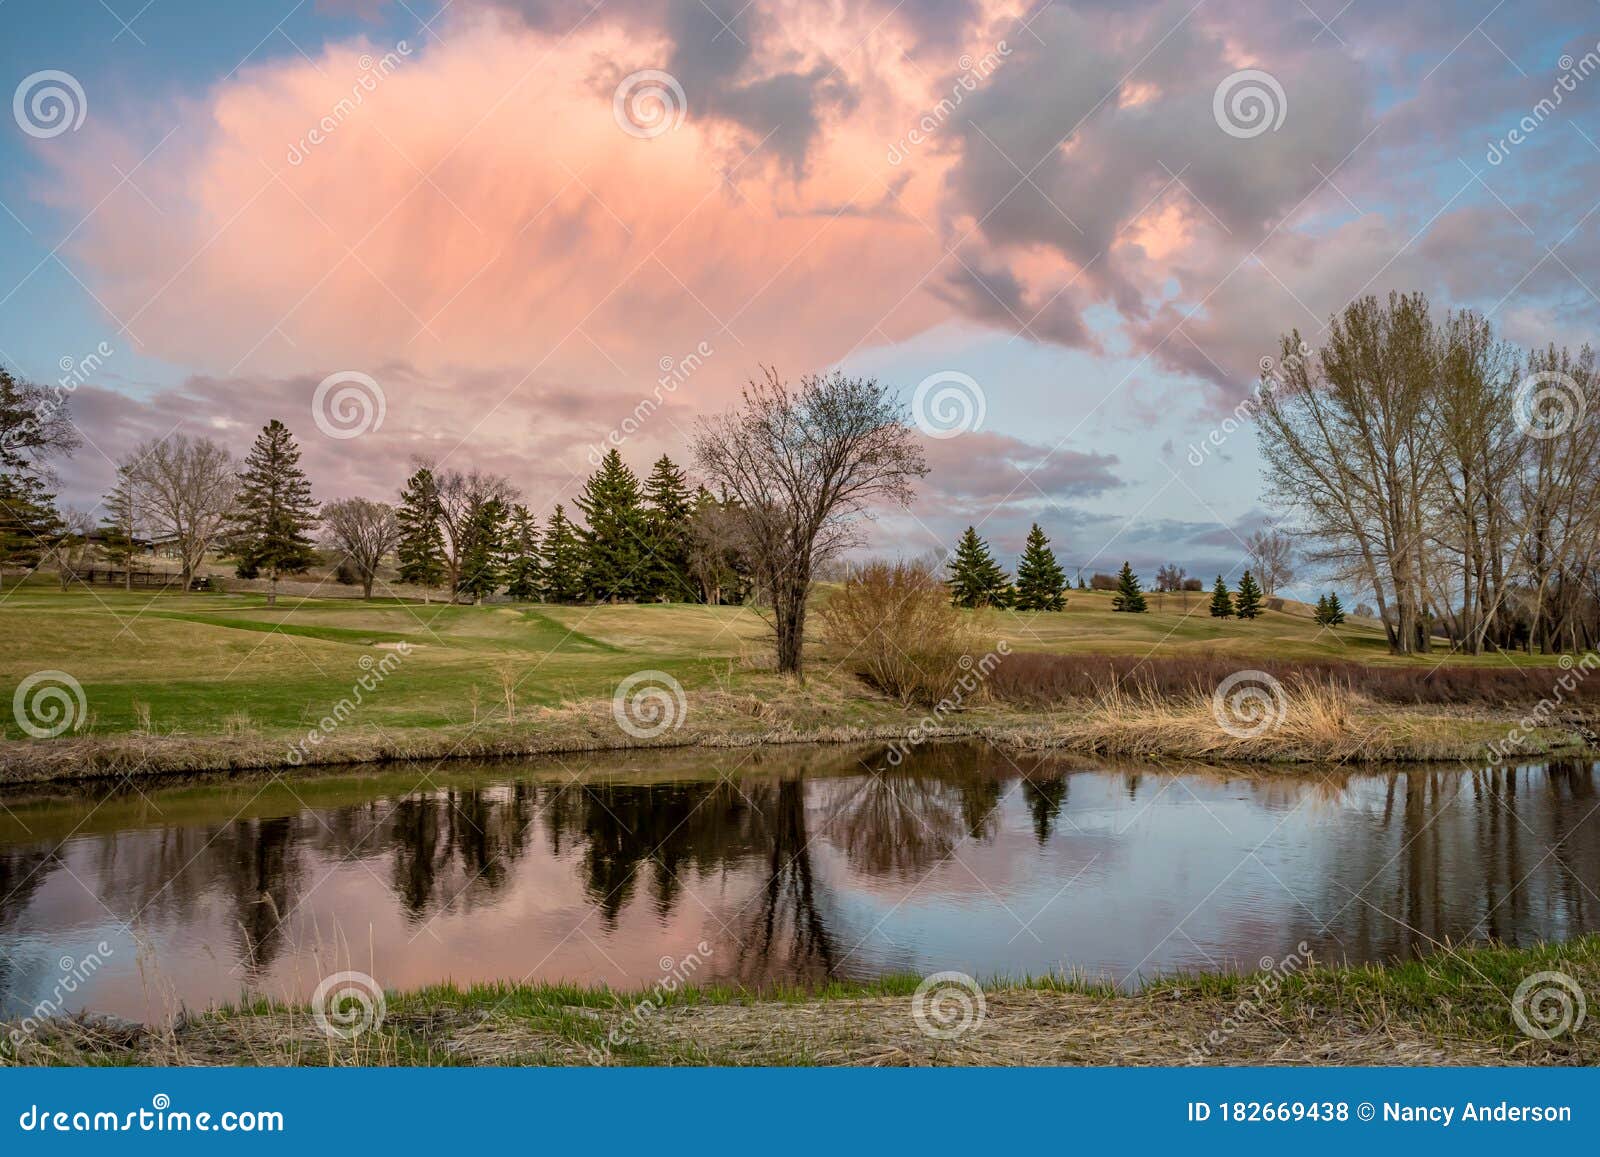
(1040, 579)
(667, 510)
(420, 549)
(1221, 601)
(28, 519)
(563, 560)
(1320, 615)
(274, 510)
(1128, 597)
(521, 565)
(615, 539)
(976, 580)
(483, 551)
(1330, 612)
(1248, 604)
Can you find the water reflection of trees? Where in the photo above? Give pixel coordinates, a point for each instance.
(1466, 855)
(1448, 853)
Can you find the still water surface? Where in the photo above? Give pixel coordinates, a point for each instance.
(780, 864)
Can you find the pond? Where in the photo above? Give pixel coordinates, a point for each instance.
(782, 864)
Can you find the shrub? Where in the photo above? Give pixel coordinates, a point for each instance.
(1044, 679)
(1193, 584)
(1103, 582)
(895, 624)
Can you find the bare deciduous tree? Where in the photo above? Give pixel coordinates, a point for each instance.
(800, 463)
(1271, 554)
(462, 496)
(185, 490)
(362, 532)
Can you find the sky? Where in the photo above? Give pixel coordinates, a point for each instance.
(513, 233)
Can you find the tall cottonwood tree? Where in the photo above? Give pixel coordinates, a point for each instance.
(802, 463)
(1348, 437)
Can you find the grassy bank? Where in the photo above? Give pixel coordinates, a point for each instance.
(1454, 1007)
(187, 682)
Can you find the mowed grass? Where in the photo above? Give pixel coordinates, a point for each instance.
(207, 662)
(217, 663)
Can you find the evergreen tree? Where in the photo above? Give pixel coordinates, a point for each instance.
(274, 510)
(667, 510)
(1083, 584)
(1221, 601)
(521, 565)
(615, 539)
(483, 551)
(1128, 597)
(976, 580)
(1248, 604)
(1040, 579)
(28, 519)
(1330, 613)
(563, 570)
(420, 549)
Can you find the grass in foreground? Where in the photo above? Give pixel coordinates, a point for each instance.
(1455, 1007)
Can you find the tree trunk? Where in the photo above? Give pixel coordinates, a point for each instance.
(366, 587)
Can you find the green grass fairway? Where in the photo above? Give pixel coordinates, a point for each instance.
(213, 663)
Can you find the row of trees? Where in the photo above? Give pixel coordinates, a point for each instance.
(1452, 475)
(977, 580)
(787, 475)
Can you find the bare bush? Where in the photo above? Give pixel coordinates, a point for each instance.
(894, 625)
